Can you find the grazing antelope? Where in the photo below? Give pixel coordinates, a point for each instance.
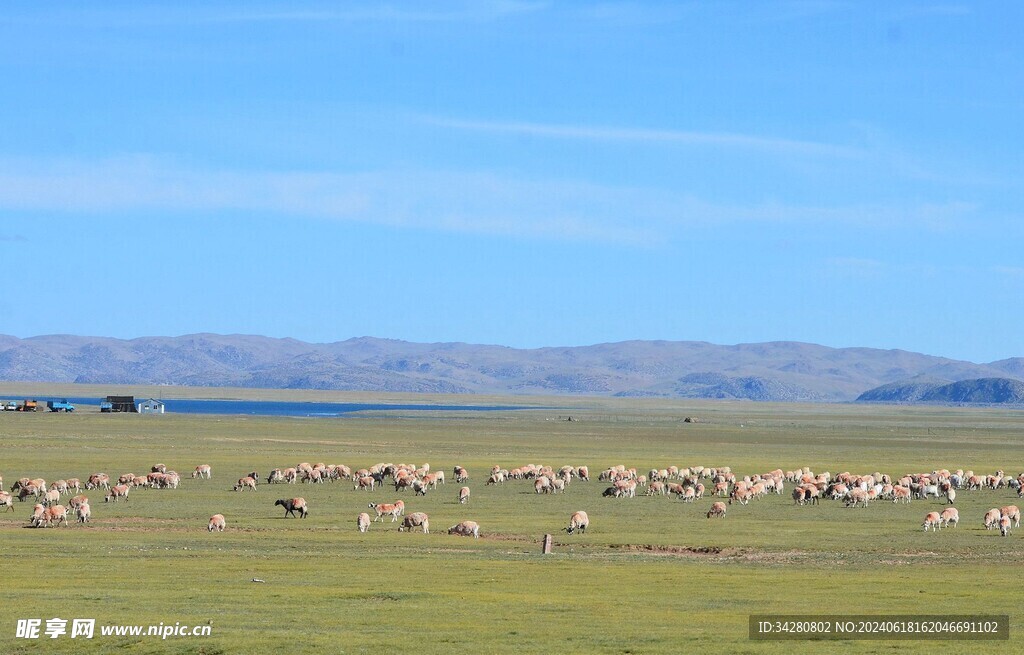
(217, 523)
(37, 515)
(247, 482)
(6, 500)
(463, 495)
(950, 515)
(414, 520)
(117, 491)
(404, 481)
(363, 522)
(466, 529)
(292, 505)
(419, 487)
(857, 496)
(1004, 526)
(717, 509)
(365, 482)
(578, 521)
(56, 513)
(77, 501)
(203, 471)
(1013, 513)
(900, 494)
(932, 520)
(382, 509)
(460, 474)
(51, 497)
(83, 512)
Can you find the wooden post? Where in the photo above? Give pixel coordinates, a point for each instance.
(546, 550)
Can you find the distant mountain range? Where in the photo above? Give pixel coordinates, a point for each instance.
(984, 390)
(776, 371)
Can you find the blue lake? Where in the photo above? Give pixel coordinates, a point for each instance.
(303, 409)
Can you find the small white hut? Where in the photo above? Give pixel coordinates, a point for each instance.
(151, 406)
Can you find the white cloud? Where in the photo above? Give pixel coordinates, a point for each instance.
(630, 134)
(1013, 272)
(857, 267)
(459, 11)
(449, 201)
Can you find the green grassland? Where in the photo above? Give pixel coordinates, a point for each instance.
(652, 575)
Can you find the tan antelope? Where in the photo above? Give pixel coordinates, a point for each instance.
(466, 529)
(932, 520)
(415, 520)
(117, 491)
(245, 483)
(56, 513)
(578, 521)
(1013, 513)
(718, 508)
(385, 509)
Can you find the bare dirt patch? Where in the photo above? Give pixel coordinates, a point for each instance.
(716, 552)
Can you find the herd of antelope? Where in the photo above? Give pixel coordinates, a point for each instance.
(686, 484)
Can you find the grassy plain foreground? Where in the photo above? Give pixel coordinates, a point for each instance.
(651, 576)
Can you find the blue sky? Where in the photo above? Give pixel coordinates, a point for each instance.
(518, 173)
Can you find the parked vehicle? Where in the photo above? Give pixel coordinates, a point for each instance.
(10, 406)
(60, 406)
(28, 406)
(106, 406)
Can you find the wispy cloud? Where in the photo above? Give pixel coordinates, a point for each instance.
(857, 267)
(921, 11)
(483, 10)
(469, 11)
(926, 216)
(448, 201)
(1014, 272)
(632, 134)
(636, 13)
(477, 203)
